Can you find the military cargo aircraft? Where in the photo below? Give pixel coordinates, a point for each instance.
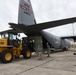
(27, 24)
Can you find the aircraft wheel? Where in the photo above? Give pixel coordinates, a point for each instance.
(6, 56)
(66, 49)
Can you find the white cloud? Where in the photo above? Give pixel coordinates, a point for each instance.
(48, 10)
(8, 13)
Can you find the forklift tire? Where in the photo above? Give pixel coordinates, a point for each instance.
(27, 54)
(6, 56)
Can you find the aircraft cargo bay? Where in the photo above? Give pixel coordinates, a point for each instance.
(59, 63)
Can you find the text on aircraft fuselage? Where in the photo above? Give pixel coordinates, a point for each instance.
(26, 9)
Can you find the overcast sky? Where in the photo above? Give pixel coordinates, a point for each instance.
(44, 10)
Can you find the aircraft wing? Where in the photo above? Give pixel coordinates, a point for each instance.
(34, 29)
(10, 30)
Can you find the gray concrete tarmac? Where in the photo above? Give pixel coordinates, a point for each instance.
(59, 63)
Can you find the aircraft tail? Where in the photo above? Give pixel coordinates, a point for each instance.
(26, 15)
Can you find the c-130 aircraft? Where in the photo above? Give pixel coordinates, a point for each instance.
(27, 24)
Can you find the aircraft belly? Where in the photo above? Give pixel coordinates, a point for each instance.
(53, 40)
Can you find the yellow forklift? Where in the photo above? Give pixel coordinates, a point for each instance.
(12, 47)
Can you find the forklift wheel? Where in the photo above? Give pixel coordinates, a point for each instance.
(6, 56)
(26, 54)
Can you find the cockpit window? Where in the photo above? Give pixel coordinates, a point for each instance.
(5, 35)
(12, 37)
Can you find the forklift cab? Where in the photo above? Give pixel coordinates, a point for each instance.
(11, 38)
